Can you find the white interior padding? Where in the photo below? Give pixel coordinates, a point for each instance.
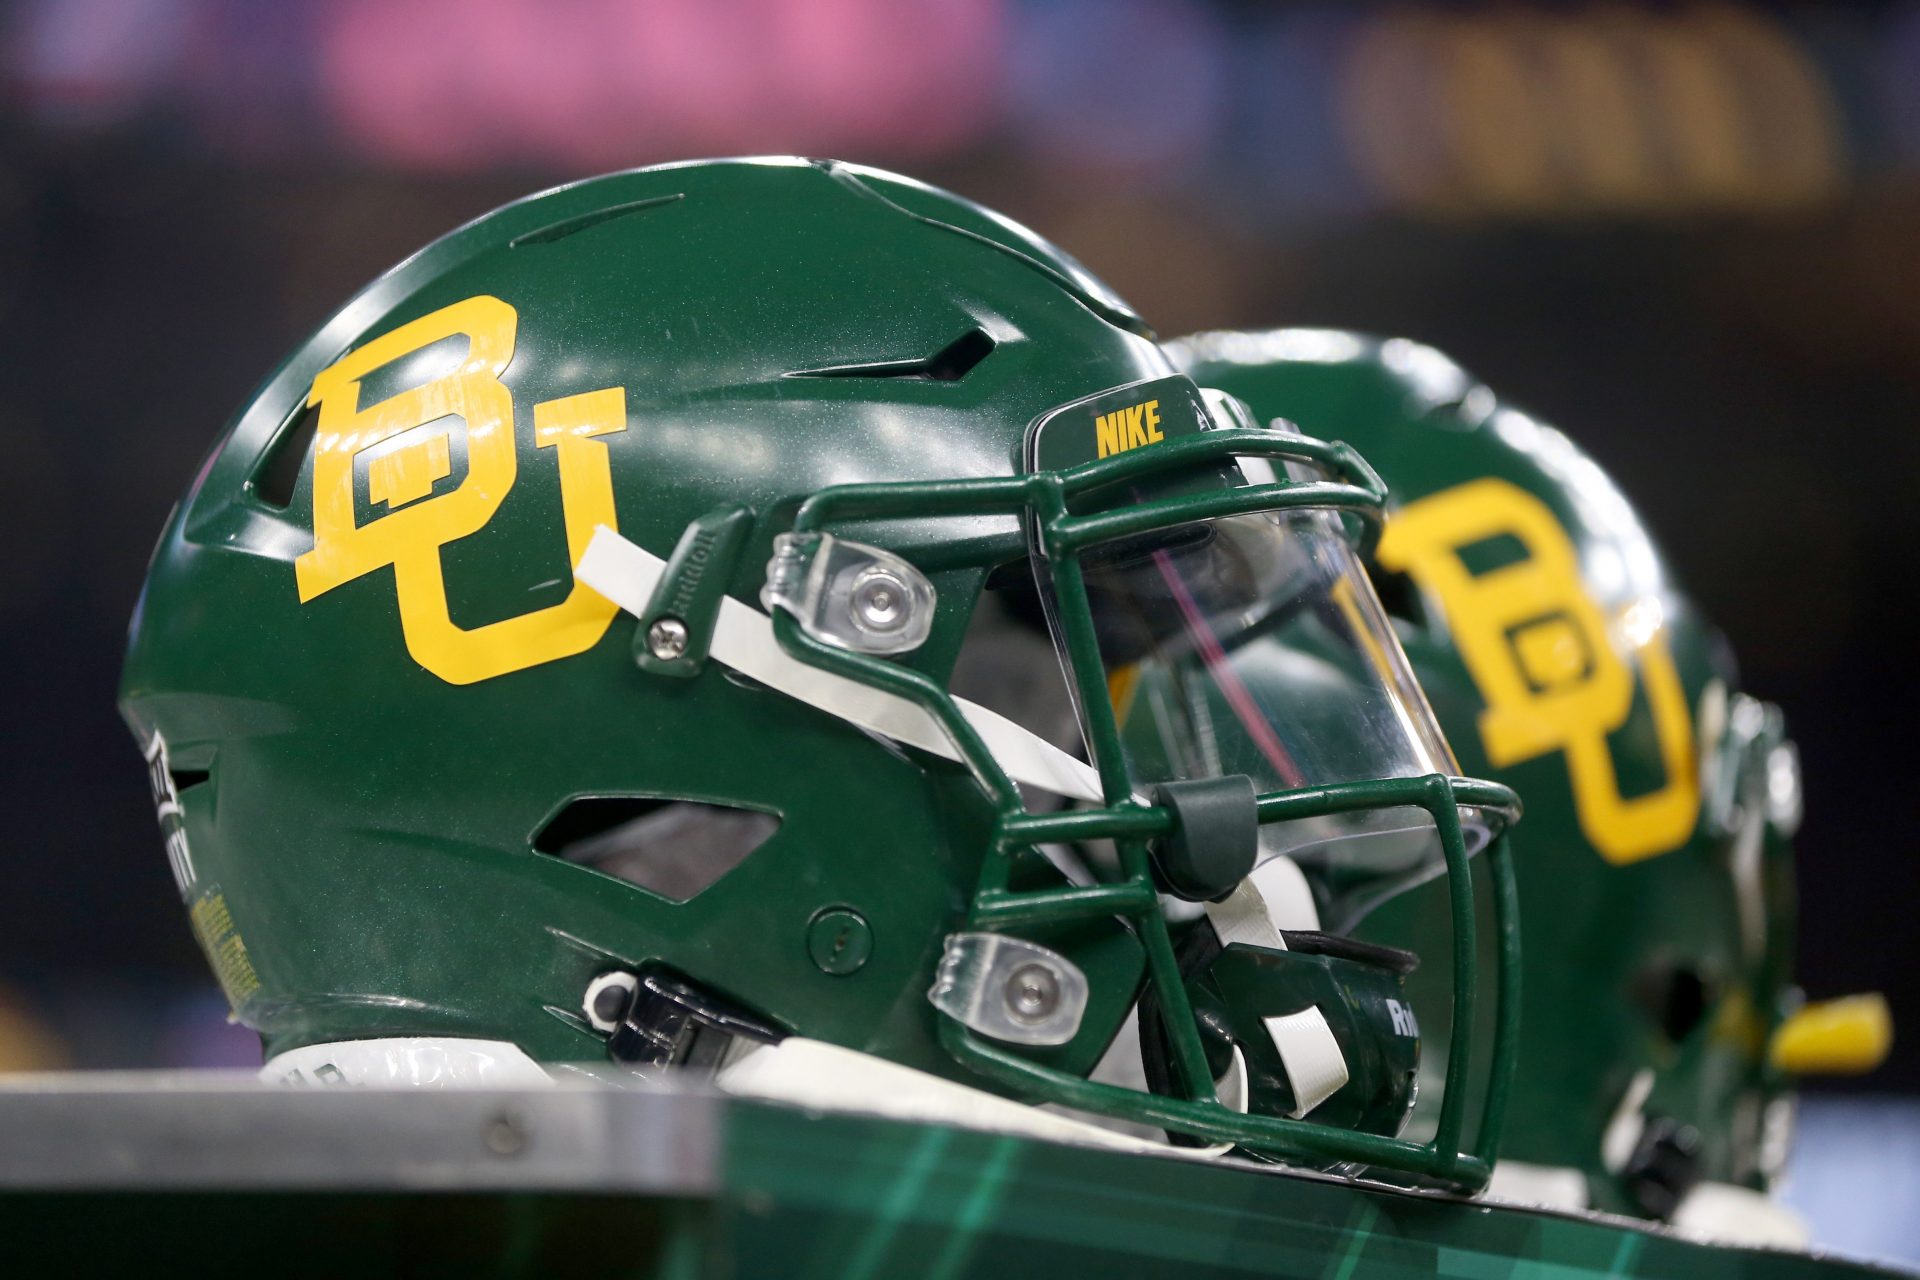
(427, 1062)
(827, 1077)
(1541, 1186)
(1722, 1213)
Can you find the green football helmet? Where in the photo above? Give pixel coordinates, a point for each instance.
(1657, 876)
(555, 662)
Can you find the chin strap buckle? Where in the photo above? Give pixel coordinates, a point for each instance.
(652, 1019)
(1664, 1167)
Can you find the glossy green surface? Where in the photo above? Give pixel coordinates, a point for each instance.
(1611, 948)
(361, 777)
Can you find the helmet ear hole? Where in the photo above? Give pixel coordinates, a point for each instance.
(1677, 999)
(676, 849)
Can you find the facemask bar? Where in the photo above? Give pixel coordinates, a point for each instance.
(1131, 823)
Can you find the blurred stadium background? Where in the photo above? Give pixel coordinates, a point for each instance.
(1687, 232)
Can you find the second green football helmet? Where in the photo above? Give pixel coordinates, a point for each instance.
(1655, 868)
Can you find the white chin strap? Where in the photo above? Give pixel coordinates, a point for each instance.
(1316, 1069)
(743, 640)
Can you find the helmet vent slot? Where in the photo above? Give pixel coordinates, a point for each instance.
(677, 849)
(586, 221)
(279, 470)
(949, 364)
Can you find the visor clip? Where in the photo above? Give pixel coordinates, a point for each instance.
(1215, 838)
(849, 595)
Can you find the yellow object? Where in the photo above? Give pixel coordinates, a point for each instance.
(213, 925)
(1128, 428)
(1551, 652)
(408, 474)
(27, 1043)
(1556, 675)
(1844, 1037)
(414, 529)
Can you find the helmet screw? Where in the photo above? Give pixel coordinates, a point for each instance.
(667, 639)
(506, 1134)
(839, 940)
(1032, 992)
(880, 601)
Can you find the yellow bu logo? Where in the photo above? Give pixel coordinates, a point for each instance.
(1543, 656)
(406, 439)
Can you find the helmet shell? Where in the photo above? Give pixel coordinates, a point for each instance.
(360, 751)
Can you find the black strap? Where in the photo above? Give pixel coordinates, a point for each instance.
(1341, 947)
(672, 1022)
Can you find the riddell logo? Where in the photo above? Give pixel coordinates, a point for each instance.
(1128, 428)
(1404, 1023)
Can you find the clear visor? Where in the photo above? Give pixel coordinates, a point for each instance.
(1255, 645)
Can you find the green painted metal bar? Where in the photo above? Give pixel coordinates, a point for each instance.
(1088, 824)
(987, 495)
(1279, 1135)
(1109, 756)
(1506, 1032)
(1466, 978)
(1278, 806)
(1077, 532)
(1048, 905)
(1219, 446)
